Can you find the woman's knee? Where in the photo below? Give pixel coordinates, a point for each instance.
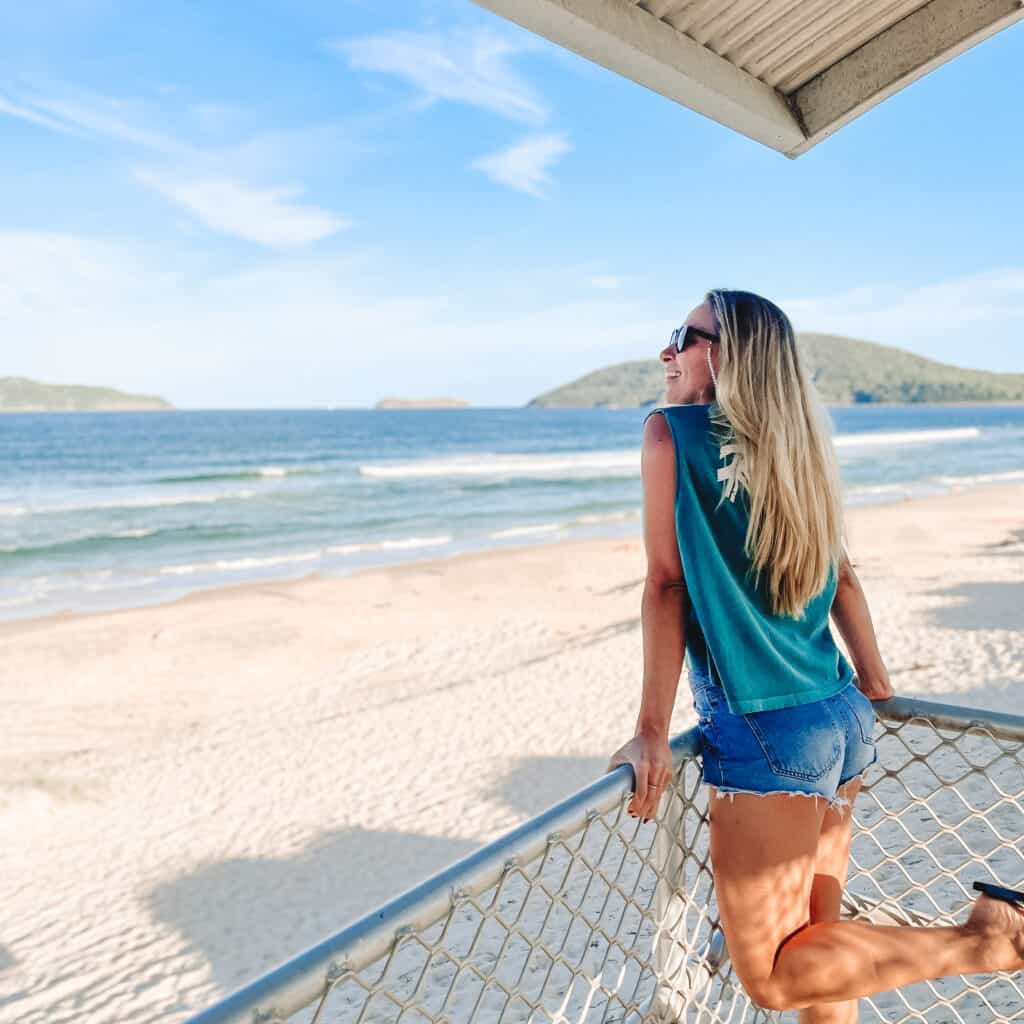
(767, 996)
(769, 993)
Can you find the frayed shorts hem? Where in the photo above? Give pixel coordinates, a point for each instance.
(721, 792)
(837, 802)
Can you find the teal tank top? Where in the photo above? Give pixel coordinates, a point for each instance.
(760, 660)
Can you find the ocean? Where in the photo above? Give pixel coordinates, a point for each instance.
(112, 510)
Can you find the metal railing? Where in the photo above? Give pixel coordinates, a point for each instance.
(584, 915)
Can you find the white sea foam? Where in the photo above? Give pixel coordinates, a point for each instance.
(172, 499)
(274, 471)
(119, 584)
(87, 505)
(935, 484)
(900, 437)
(982, 478)
(525, 531)
(238, 564)
(401, 544)
(548, 464)
(80, 539)
(880, 488)
(13, 510)
(591, 519)
(587, 519)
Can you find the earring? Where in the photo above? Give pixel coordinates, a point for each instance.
(714, 379)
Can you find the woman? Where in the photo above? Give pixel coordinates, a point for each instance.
(741, 487)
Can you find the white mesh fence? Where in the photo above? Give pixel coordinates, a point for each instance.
(585, 916)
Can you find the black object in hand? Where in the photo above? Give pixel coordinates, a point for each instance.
(1000, 892)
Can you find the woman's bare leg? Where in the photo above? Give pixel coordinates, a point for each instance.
(831, 863)
(763, 854)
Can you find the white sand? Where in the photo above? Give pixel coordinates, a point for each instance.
(192, 793)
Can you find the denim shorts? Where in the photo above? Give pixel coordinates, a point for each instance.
(812, 748)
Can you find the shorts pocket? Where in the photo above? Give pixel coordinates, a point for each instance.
(801, 742)
(863, 711)
(707, 697)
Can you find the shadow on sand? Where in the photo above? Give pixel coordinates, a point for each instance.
(985, 606)
(245, 916)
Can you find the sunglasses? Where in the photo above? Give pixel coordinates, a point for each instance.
(686, 335)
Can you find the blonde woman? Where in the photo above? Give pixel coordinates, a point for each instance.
(745, 543)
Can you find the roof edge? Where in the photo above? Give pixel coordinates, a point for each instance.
(892, 60)
(626, 39)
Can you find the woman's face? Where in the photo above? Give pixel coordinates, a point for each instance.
(687, 377)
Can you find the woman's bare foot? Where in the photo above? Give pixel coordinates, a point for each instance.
(1001, 926)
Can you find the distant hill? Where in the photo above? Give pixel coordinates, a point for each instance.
(18, 394)
(421, 403)
(845, 371)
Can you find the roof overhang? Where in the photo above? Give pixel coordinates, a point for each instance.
(787, 73)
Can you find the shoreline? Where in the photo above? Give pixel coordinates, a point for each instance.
(433, 564)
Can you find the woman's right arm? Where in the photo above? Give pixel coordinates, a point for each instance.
(850, 611)
(662, 616)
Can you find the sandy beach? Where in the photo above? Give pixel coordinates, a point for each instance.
(191, 793)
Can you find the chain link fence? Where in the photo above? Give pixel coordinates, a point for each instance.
(583, 915)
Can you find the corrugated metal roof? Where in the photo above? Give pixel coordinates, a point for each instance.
(783, 43)
(785, 72)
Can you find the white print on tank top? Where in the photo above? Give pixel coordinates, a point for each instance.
(735, 473)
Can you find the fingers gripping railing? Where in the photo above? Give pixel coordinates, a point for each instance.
(582, 914)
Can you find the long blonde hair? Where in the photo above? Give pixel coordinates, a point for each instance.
(768, 416)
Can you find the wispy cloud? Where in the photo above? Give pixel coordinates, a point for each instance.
(26, 112)
(462, 66)
(210, 184)
(230, 207)
(109, 119)
(524, 166)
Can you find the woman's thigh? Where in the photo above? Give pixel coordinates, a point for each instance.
(832, 860)
(763, 857)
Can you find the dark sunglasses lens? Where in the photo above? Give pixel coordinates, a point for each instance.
(683, 337)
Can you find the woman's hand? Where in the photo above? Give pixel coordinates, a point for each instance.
(651, 759)
(876, 687)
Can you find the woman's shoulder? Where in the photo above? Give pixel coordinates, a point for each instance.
(681, 420)
(658, 444)
(689, 411)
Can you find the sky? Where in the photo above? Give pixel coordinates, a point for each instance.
(301, 204)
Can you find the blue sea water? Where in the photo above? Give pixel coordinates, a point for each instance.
(109, 510)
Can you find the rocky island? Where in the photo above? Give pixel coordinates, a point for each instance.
(19, 394)
(421, 403)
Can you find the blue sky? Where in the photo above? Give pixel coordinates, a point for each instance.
(298, 204)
